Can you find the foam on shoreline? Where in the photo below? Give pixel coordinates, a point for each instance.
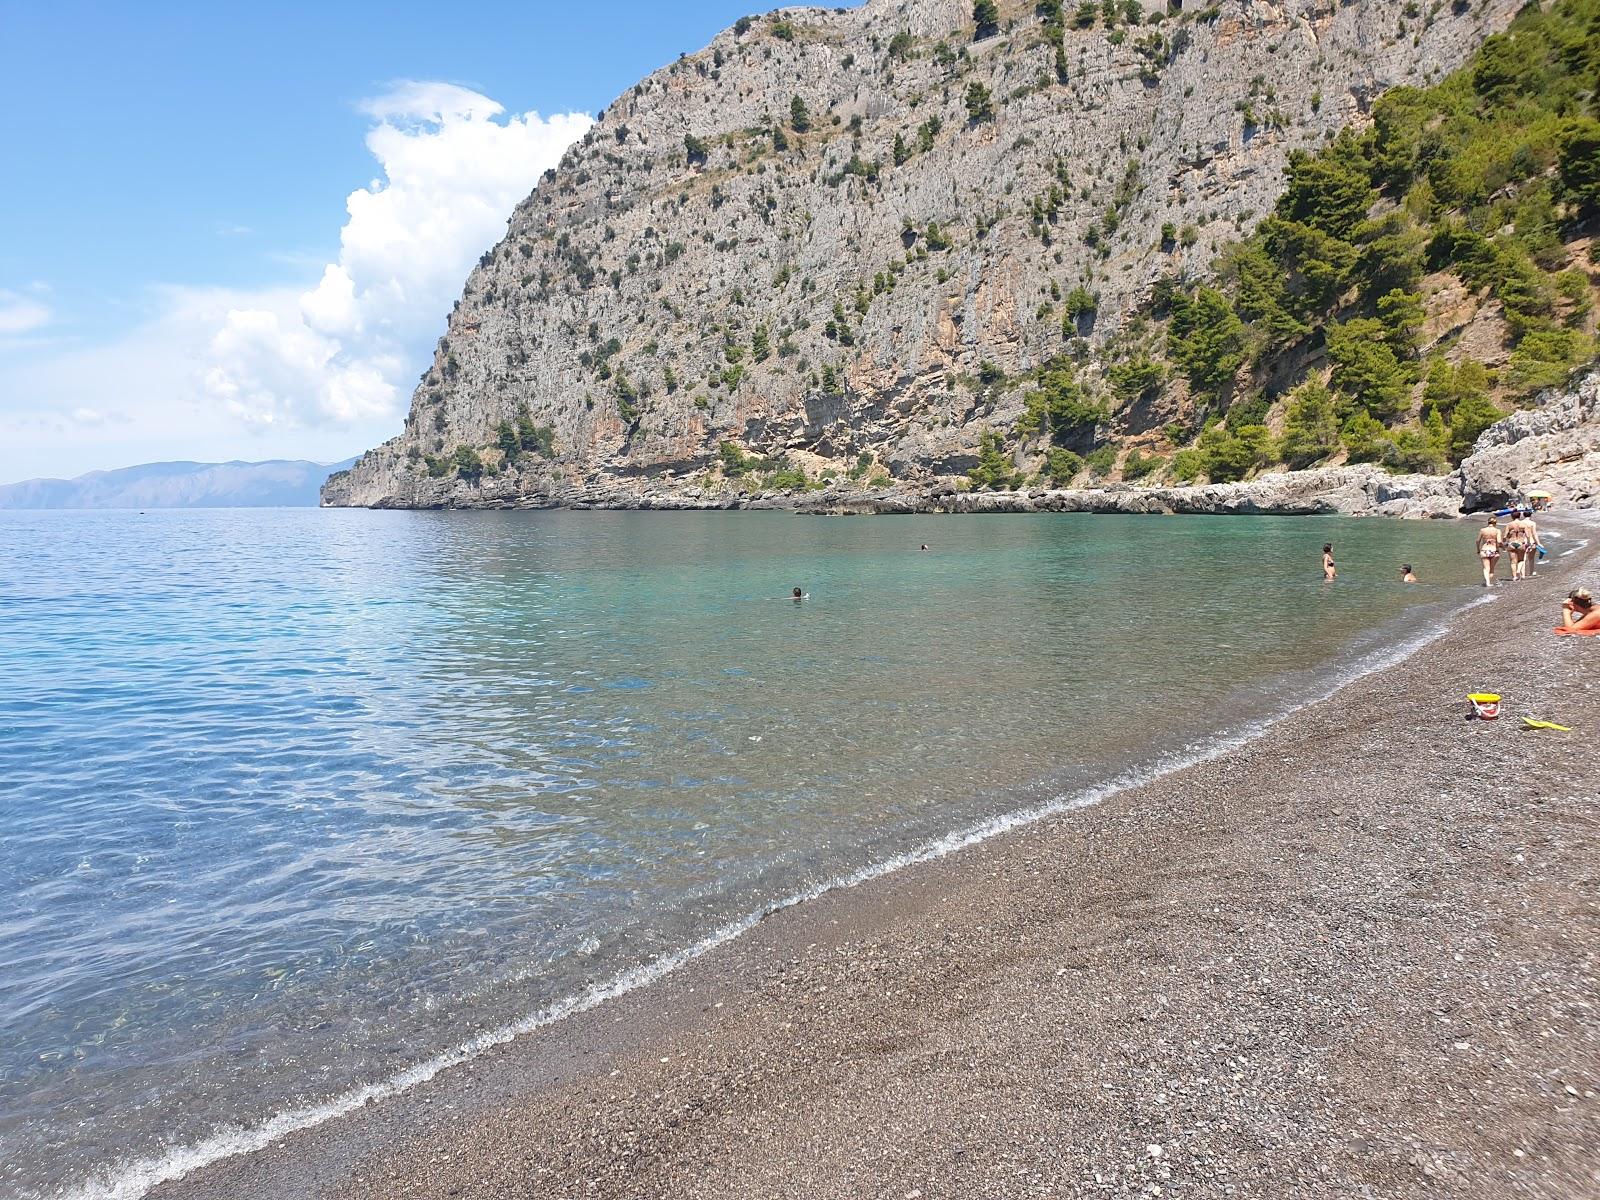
(136, 1179)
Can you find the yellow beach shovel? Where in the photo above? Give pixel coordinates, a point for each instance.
(1532, 724)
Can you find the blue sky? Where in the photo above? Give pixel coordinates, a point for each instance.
(169, 164)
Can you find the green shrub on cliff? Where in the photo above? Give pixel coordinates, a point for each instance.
(1225, 455)
(1135, 377)
(1101, 461)
(1062, 466)
(1206, 338)
(1363, 437)
(1579, 153)
(1137, 466)
(995, 468)
(506, 440)
(540, 439)
(468, 464)
(986, 19)
(980, 104)
(1059, 407)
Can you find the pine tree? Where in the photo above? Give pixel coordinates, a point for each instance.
(1206, 338)
(986, 15)
(1366, 369)
(1310, 426)
(980, 104)
(995, 468)
(1473, 414)
(1363, 437)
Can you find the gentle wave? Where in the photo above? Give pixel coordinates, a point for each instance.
(138, 1178)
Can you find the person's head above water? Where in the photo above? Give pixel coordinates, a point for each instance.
(797, 593)
(1327, 548)
(1405, 568)
(1493, 520)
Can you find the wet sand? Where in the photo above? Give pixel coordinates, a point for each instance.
(1357, 957)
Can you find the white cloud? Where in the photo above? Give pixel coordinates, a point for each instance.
(215, 373)
(21, 314)
(74, 406)
(454, 165)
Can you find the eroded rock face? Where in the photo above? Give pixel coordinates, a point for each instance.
(1553, 447)
(1352, 491)
(699, 270)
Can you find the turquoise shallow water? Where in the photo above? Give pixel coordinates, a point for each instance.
(295, 798)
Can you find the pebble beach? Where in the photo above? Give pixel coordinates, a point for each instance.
(1355, 956)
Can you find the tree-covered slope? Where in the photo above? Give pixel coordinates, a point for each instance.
(1418, 275)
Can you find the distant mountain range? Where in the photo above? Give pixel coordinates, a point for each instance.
(280, 483)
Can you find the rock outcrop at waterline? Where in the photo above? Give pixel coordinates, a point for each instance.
(807, 238)
(1554, 447)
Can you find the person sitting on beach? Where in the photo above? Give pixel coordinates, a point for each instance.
(1576, 608)
(1407, 575)
(1489, 549)
(1328, 571)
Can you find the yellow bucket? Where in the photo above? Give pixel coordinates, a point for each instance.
(1485, 706)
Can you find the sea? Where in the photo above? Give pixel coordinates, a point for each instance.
(302, 807)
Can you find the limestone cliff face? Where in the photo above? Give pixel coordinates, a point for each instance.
(712, 264)
(1554, 447)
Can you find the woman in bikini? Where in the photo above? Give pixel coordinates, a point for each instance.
(1519, 544)
(1531, 561)
(1328, 572)
(1489, 549)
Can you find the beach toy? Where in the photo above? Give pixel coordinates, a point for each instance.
(1531, 723)
(1485, 706)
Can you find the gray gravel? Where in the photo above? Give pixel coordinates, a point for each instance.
(1355, 958)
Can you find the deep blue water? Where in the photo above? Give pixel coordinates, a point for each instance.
(295, 799)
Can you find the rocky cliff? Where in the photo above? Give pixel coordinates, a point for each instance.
(1554, 447)
(812, 241)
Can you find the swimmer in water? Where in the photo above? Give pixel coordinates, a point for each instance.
(1407, 575)
(924, 545)
(1328, 571)
(797, 595)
